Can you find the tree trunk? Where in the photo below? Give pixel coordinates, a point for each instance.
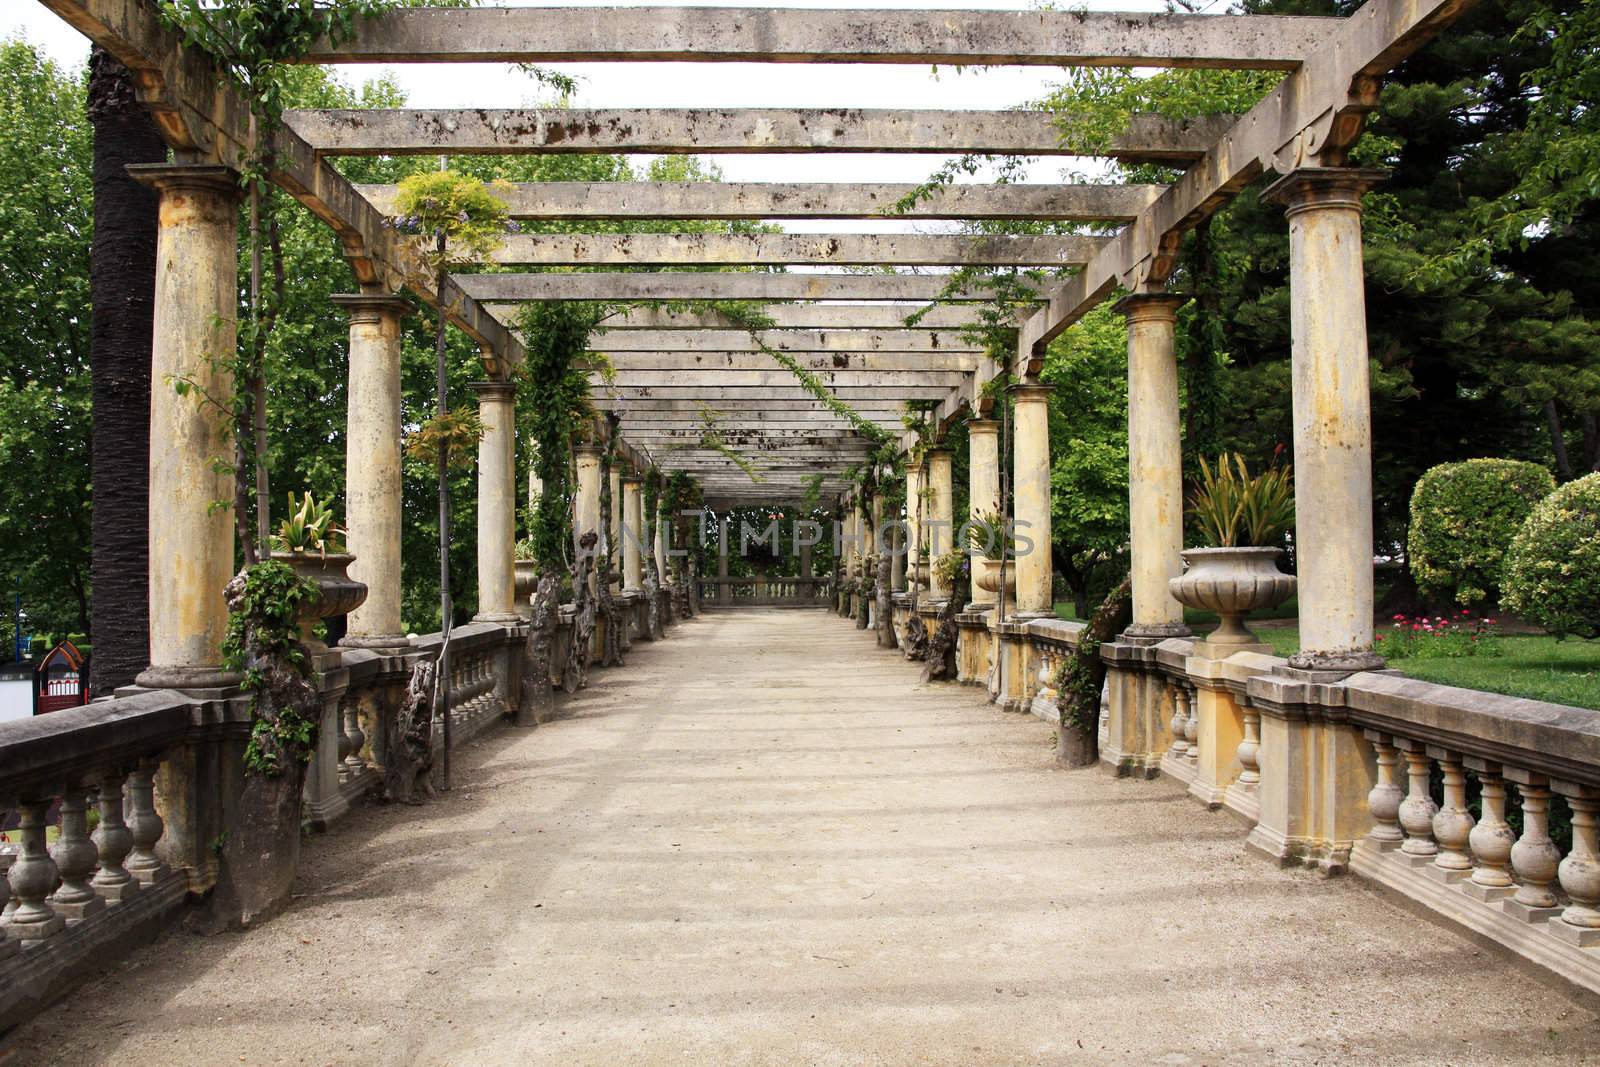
(1078, 696)
(942, 643)
(885, 595)
(1558, 441)
(1591, 443)
(122, 281)
(408, 740)
(538, 701)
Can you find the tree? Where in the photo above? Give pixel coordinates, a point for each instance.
(45, 395)
(122, 291)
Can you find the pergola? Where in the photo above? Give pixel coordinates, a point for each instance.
(676, 370)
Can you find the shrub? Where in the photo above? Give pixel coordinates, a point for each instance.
(1463, 516)
(1552, 572)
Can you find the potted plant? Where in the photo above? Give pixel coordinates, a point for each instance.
(526, 576)
(949, 568)
(311, 543)
(986, 536)
(1240, 515)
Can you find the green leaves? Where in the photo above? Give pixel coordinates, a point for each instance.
(1233, 507)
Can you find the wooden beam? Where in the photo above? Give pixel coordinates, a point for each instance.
(763, 394)
(819, 361)
(786, 317)
(846, 35)
(781, 249)
(809, 200)
(712, 285)
(1311, 119)
(774, 378)
(523, 131)
(809, 341)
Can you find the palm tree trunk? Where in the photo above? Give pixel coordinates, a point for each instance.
(122, 290)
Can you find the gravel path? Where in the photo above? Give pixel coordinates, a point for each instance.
(763, 842)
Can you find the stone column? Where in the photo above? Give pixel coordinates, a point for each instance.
(1332, 416)
(983, 492)
(916, 508)
(586, 510)
(497, 502)
(633, 536)
(940, 511)
(724, 590)
(614, 534)
(195, 341)
(372, 467)
(1155, 463)
(1032, 510)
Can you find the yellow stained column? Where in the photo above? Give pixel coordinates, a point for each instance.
(191, 443)
(1332, 416)
(941, 506)
(497, 502)
(983, 489)
(916, 510)
(1032, 508)
(1155, 463)
(586, 509)
(614, 534)
(372, 466)
(633, 535)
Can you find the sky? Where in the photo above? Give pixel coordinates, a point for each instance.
(706, 85)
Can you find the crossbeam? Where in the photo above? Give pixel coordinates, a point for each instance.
(761, 395)
(773, 379)
(717, 362)
(666, 131)
(784, 249)
(723, 201)
(847, 35)
(787, 317)
(738, 286)
(809, 341)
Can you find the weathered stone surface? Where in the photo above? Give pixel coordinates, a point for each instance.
(742, 339)
(848, 35)
(720, 285)
(781, 249)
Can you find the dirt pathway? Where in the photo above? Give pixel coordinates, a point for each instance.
(763, 842)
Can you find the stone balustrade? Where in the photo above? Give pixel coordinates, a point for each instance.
(1483, 808)
(761, 591)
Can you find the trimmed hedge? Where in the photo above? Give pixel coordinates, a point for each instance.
(1463, 517)
(1552, 573)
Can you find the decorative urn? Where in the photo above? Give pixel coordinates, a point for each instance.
(989, 576)
(338, 593)
(526, 577)
(1232, 582)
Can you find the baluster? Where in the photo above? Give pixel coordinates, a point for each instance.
(1492, 839)
(8, 856)
(75, 856)
(1385, 797)
(33, 876)
(1417, 809)
(1534, 857)
(1452, 823)
(145, 824)
(114, 841)
(354, 765)
(1191, 727)
(1180, 721)
(344, 741)
(1249, 750)
(1580, 871)
(9, 946)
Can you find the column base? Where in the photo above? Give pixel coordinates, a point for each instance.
(185, 678)
(1326, 665)
(1156, 631)
(375, 642)
(500, 618)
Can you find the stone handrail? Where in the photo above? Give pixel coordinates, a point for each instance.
(764, 591)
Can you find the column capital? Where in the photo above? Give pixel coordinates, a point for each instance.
(1323, 187)
(1034, 392)
(371, 306)
(587, 450)
(173, 177)
(982, 426)
(493, 389)
(632, 480)
(1151, 307)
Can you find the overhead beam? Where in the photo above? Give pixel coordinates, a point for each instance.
(810, 341)
(814, 361)
(782, 249)
(738, 286)
(612, 201)
(668, 131)
(1310, 119)
(773, 409)
(790, 317)
(774, 379)
(761, 395)
(845, 35)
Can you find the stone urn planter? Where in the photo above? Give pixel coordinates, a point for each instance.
(989, 577)
(526, 573)
(920, 574)
(339, 594)
(1232, 582)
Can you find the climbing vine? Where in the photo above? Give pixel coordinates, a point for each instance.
(264, 603)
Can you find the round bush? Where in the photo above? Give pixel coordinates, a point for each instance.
(1552, 573)
(1463, 517)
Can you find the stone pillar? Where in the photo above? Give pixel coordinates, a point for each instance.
(586, 510)
(983, 492)
(195, 340)
(1155, 463)
(916, 508)
(1032, 511)
(633, 535)
(1332, 416)
(614, 533)
(940, 511)
(724, 590)
(372, 467)
(661, 547)
(497, 502)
